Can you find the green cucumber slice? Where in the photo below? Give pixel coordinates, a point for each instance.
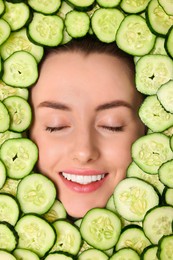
(8, 238)
(19, 156)
(134, 36)
(10, 186)
(17, 15)
(154, 116)
(57, 211)
(125, 253)
(2, 175)
(44, 6)
(108, 3)
(35, 234)
(105, 23)
(151, 151)
(36, 194)
(152, 71)
(83, 5)
(153, 179)
(8, 204)
(133, 198)
(6, 91)
(68, 238)
(159, 47)
(165, 247)
(159, 21)
(25, 254)
(150, 252)
(100, 228)
(58, 256)
(18, 41)
(77, 23)
(167, 6)
(134, 6)
(46, 30)
(8, 135)
(169, 42)
(166, 173)
(168, 196)
(158, 222)
(5, 31)
(6, 256)
(133, 237)
(92, 253)
(165, 96)
(20, 70)
(20, 113)
(2, 7)
(4, 118)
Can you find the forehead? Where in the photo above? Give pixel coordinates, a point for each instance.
(100, 74)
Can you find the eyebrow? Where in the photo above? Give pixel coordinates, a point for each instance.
(109, 105)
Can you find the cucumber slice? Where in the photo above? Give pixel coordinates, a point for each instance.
(46, 30)
(134, 6)
(10, 187)
(58, 256)
(133, 198)
(91, 254)
(105, 23)
(151, 151)
(165, 247)
(166, 173)
(77, 23)
(6, 91)
(152, 71)
(8, 135)
(68, 238)
(19, 156)
(8, 238)
(167, 6)
(111, 204)
(18, 41)
(134, 36)
(125, 253)
(35, 234)
(168, 196)
(44, 6)
(6, 256)
(169, 42)
(159, 21)
(2, 175)
(5, 31)
(153, 179)
(64, 9)
(150, 252)
(108, 3)
(158, 222)
(165, 96)
(2, 7)
(20, 70)
(25, 254)
(154, 116)
(9, 205)
(159, 46)
(4, 118)
(17, 15)
(83, 5)
(133, 237)
(100, 228)
(57, 211)
(20, 113)
(36, 194)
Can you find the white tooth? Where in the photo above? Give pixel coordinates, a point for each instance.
(82, 179)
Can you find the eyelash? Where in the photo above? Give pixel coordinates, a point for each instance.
(109, 128)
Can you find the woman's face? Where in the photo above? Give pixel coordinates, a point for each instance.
(85, 121)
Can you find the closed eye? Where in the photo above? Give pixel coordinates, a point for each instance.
(113, 128)
(55, 129)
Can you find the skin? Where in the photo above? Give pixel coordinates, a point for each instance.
(85, 120)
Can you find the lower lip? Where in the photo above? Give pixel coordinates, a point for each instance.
(83, 188)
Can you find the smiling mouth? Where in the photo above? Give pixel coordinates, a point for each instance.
(83, 179)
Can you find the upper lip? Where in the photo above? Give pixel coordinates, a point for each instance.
(83, 171)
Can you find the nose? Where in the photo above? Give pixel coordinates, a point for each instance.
(85, 147)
